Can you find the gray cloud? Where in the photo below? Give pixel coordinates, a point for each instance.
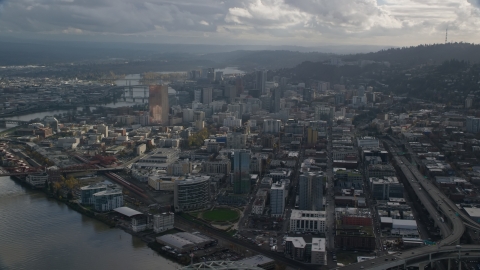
(284, 21)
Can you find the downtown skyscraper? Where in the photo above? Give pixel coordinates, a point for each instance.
(158, 104)
(241, 171)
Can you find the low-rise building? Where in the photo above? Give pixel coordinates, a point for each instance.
(258, 206)
(163, 222)
(307, 221)
(318, 254)
(295, 248)
(37, 180)
(108, 199)
(86, 193)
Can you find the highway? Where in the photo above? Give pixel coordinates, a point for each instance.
(429, 195)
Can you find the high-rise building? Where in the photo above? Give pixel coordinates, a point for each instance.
(468, 102)
(158, 104)
(473, 124)
(277, 198)
(102, 129)
(219, 75)
(275, 106)
(241, 171)
(311, 191)
(239, 85)
(339, 99)
(207, 94)
(260, 79)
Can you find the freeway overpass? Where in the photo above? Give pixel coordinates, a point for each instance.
(418, 257)
(438, 205)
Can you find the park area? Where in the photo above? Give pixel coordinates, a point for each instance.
(221, 215)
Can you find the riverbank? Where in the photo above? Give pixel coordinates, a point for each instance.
(110, 222)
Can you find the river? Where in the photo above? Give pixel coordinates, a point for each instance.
(40, 233)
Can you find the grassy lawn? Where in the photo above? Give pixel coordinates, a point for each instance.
(232, 232)
(221, 215)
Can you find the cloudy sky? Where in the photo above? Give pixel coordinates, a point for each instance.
(274, 22)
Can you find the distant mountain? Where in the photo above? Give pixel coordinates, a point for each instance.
(249, 60)
(422, 54)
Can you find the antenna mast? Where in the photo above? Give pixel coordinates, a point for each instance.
(446, 35)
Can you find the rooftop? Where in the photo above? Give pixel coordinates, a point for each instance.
(318, 244)
(126, 211)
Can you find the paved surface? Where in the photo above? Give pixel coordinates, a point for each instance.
(185, 224)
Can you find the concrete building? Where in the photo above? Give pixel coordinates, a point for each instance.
(384, 189)
(473, 124)
(180, 167)
(86, 193)
(102, 129)
(37, 180)
(108, 200)
(307, 221)
(140, 150)
(318, 254)
(277, 199)
(271, 126)
(232, 121)
(368, 142)
(158, 104)
(163, 222)
(258, 206)
(236, 140)
(223, 166)
(192, 193)
(295, 248)
(207, 94)
(311, 191)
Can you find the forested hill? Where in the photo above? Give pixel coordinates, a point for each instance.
(435, 53)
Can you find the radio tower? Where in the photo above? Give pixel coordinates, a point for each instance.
(446, 35)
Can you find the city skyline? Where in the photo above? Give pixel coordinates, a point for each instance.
(245, 22)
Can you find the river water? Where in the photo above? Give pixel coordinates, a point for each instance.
(40, 233)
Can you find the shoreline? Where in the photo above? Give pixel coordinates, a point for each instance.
(110, 223)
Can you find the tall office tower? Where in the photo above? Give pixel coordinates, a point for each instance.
(158, 104)
(468, 102)
(275, 106)
(199, 119)
(207, 94)
(260, 79)
(311, 191)
(219, 75)
(239, 85)
(211, 74)
(204, 73)
(277, 199)
(361, 91)
(197, 95)
(241, 171)
(283, 86)
(340, 99)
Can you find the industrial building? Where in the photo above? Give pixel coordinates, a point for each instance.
(184, 242)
